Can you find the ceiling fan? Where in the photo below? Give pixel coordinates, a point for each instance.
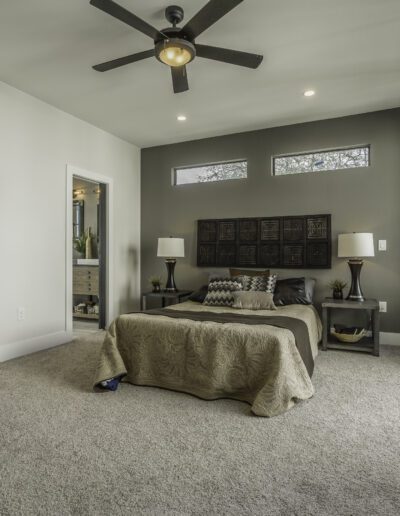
(174, 46)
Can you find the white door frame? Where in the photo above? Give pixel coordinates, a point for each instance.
(98, 178)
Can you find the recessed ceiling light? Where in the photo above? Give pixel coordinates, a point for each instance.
(309, 93)
(181, 118)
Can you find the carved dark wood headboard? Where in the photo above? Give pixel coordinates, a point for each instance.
(302, 242)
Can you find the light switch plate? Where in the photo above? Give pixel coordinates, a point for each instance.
(382, 245)
(383, 306)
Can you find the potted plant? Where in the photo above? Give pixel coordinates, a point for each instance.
(156, 283)
(80, 246)
(337, 287)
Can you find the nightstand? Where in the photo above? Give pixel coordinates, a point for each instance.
(172, 297)
(366, 344)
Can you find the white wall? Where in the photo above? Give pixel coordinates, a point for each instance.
(37, 141)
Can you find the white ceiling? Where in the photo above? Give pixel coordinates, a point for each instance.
(347, 50)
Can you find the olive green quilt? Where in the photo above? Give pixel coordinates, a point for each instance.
(215, 354)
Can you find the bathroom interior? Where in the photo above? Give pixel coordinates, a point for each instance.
(86, 294)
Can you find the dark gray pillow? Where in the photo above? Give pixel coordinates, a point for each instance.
(200, 295)
(294, 291)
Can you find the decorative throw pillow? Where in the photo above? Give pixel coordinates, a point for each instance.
(217, 275)
(200, 295)
(259, 283)
(221, 290)
(309, 284)
(254, 300)
(248, 272)
(294, 291)
(271, 283)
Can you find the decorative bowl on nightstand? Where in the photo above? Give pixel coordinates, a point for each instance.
(354, 335)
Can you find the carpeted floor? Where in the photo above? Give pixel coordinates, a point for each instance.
(67, 451)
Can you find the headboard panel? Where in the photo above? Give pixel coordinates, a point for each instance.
(297, 242)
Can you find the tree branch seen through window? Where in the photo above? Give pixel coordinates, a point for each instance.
(209, 173)
(318, 161)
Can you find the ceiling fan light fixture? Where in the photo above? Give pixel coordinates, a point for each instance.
(175, 52)
(175, 46)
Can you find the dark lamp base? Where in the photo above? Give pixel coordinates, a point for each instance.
(355, 293)
(170, 285)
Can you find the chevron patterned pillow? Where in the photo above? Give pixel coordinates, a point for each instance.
(220, 291)
(259, 283)
(271, 283)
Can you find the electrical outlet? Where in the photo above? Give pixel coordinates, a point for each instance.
(382, 245)
(21, 313)
(383, 306)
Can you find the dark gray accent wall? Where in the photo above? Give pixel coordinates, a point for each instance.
(361, 200)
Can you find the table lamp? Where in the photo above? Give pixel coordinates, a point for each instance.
(355, 246)
(170, 249)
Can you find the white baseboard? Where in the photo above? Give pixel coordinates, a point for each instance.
(390, 339)
(26, 347)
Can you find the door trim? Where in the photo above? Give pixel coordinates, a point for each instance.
(72, 171)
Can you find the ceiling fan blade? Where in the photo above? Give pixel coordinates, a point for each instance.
(179, 79)
(122, 61)
(207, 16)
(119, 12)
(229, 56)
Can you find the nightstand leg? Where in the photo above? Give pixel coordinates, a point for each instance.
(375, 330)
(325, 329)
(143, 303)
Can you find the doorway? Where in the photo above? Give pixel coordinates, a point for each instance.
(88, 300)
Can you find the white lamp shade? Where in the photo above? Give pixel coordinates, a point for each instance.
(356, 245)
(171, 247)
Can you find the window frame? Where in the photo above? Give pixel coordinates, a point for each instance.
(320, 151)
(202, 165)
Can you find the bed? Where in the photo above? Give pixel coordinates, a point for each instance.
(262, 357)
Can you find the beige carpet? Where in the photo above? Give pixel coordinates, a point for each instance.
(67, 451)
